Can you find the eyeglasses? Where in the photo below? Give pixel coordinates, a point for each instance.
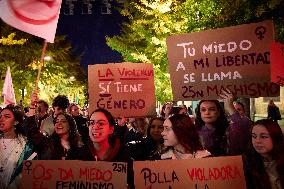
(100, 123)
(167, 129)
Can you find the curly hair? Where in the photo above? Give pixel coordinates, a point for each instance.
(18, 116)
(61, 101)
(74, 136)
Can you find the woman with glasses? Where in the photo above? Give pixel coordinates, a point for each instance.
(14, 147)
(104, 145)
(181, 139)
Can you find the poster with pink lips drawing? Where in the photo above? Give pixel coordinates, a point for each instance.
(37, 17)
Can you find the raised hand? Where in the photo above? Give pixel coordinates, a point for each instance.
(228, 99)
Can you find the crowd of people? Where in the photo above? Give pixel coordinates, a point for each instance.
(215, 130)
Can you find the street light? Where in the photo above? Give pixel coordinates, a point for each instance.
(47, 58)
(72, 78)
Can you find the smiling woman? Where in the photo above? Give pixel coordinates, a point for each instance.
(64, 143)
(103, 144)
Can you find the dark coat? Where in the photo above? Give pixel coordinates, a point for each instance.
(117, 153)
(144, 149)
(273, 113)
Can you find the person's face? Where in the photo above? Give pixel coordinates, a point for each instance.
(261, 140)
(57, 110)
(74, 111)
(61, 125)
(156, 128)
(168, 134)
(209, 112)
(183, 111)
(239, 108)
(7, 121)
(99, 128)
(167, 109)
(41, 108)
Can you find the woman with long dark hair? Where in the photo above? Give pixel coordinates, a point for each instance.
(264, 161)
(211, 123)
(14, 147)
(64, 143)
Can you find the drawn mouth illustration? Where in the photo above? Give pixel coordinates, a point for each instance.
(36, 12)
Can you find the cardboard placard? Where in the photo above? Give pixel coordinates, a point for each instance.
(50, 174)
(237, 58)
(277, 63)
(125, 89)
(204, 173)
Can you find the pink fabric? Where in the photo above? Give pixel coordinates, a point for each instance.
(37, 17)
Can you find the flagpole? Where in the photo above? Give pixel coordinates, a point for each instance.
(41, 63)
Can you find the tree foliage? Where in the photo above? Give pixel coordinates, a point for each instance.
(22, 52)
(149, 22)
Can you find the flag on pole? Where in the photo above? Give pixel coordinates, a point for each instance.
(8, 89)
(37, 17)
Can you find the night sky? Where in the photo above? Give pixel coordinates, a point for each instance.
(86, 23)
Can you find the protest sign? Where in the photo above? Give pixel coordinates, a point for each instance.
(38, 18)
(204, 173)
(277, 63)
(125, 89)
(237, 58)
(43, 174)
